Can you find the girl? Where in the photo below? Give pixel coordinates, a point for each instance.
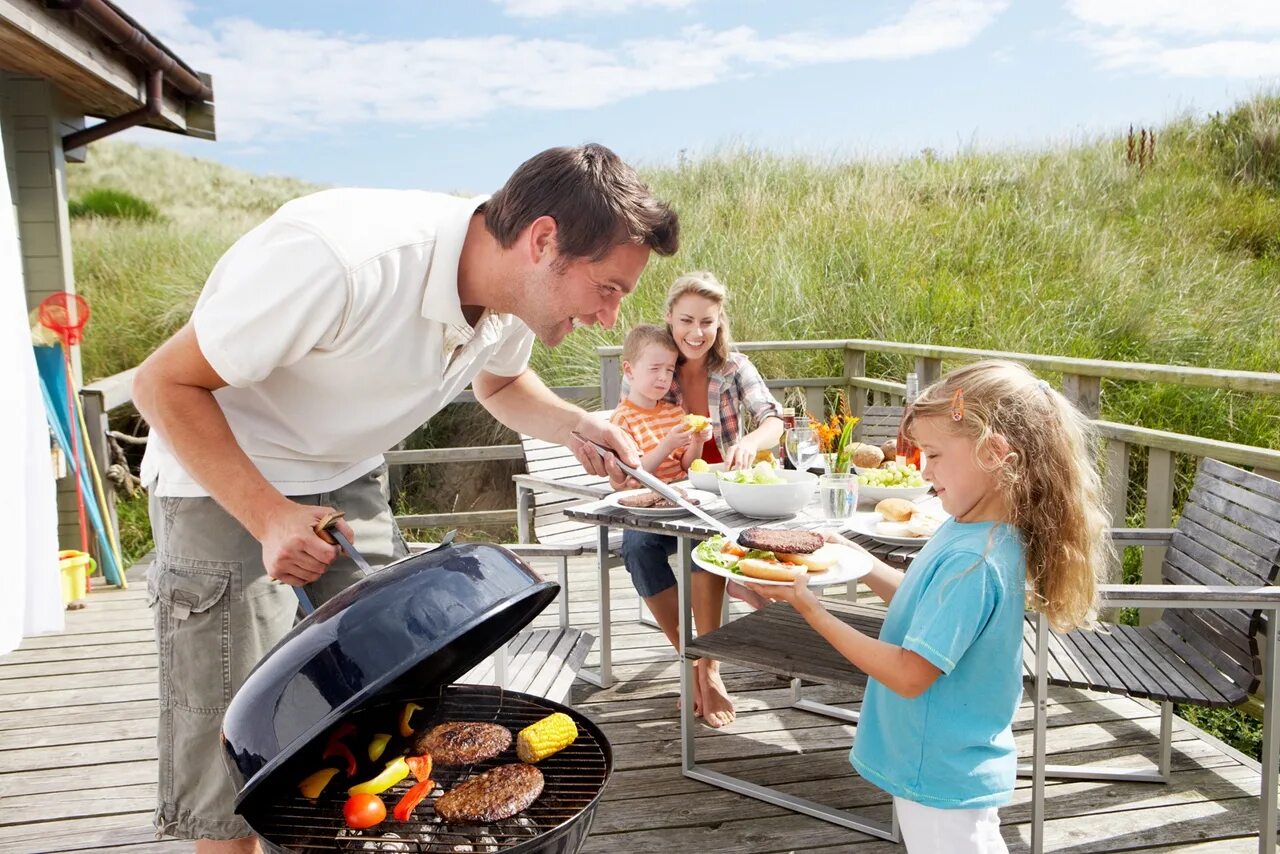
(1008, 457)
(710, 380)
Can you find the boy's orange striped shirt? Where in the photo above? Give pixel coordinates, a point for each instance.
(649, 427)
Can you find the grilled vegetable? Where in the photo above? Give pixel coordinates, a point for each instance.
(550, 735)
(420, 766)
(377, 745)
(314, 784)
(406, 729)
(336, 748)
(412, 798)
(363, 811)
(397, 769)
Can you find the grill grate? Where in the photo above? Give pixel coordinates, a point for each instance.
(574, 778)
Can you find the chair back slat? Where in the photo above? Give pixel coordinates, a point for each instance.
(557, 465)
(878, 423)
(1228, 534)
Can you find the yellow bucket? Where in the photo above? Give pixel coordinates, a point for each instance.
(76, 568)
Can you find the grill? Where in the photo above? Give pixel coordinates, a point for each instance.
(404, 634)
(558, 820)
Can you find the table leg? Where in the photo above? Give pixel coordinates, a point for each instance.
(684, 581)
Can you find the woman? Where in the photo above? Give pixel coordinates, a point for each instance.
(724, 386)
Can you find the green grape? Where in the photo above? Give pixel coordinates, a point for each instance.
(894, 476)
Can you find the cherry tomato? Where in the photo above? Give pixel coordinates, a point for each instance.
(364, 811)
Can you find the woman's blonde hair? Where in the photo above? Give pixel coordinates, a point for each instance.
(704, 284)
(1047, 477)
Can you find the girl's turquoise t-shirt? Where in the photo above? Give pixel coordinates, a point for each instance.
(960, 606)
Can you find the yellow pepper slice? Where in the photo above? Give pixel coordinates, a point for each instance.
(377, 745)
(314, 784)
(406, 729)
(396, 770)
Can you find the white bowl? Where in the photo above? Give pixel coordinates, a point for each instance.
(706, 480)
(880, 493)
(771, 500)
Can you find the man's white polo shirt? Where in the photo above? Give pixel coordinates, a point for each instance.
(338, 328)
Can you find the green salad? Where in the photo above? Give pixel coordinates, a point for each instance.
(709, 551)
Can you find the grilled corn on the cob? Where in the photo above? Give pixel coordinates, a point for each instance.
(550, 735)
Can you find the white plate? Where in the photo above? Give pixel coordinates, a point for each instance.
(865, 523)
(853, 565)
(704, 498)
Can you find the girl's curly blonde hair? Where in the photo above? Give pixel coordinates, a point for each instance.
(1047, 477)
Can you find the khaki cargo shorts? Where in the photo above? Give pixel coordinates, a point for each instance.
(217, 613)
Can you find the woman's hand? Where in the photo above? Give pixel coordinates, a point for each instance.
(797, 595)
(741, 455)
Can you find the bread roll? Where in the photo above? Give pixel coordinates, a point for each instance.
(889, 448)
(820, 561)
(867, 456)
(894, 529)
(896, 509)
(768, 570)
(923, 526)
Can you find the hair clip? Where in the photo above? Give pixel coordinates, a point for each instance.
(1043, 385)
(957, 405)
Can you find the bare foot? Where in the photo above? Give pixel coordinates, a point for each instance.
(697, 695)
(717, 707)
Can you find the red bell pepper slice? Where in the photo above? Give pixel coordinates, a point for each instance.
(336, 748)
(411, 799)
(420, 766)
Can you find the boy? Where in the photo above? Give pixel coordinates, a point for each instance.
(662, 431)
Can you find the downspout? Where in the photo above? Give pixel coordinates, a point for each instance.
(151, 109)
(161, 66)
(125, 35)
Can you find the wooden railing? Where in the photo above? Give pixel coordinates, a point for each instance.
(1081, 381)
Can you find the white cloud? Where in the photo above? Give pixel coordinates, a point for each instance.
(549, 8)
(1183, 38)
(275, 83)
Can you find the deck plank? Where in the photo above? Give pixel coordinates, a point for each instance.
(99, 678)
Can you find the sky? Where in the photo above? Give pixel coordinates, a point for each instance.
(454, 94)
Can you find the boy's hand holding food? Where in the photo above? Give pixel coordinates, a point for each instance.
(679, 437)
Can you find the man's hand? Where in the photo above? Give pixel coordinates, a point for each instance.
(292, 552)
(610, 436)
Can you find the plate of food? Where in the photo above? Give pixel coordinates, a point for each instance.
(823, 563)
(646, 502)
(899, 522)
(891, 481)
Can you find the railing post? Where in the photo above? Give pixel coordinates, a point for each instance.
(928, 370)
(1085, 392)
(610, 381)
(855, 366)
(1115, 495)
(815, 403)
(1159, 515)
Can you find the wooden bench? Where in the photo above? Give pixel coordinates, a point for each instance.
(555, 480)
(543, 662)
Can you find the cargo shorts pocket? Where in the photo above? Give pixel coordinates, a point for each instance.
(193, 633)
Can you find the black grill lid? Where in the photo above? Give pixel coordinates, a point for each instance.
(411, 628)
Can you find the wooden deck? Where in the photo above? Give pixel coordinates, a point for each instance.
(78, 769)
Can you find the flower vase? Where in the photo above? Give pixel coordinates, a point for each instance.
(837, 463)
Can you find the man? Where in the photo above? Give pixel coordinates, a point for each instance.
(323, 337)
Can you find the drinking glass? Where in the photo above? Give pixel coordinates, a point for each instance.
(837, 496)
(802, 447)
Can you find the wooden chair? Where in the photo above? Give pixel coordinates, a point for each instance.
(1225, 549)
(878, 424)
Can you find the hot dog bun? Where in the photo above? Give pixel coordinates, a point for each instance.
(768, 570)
(820, 561)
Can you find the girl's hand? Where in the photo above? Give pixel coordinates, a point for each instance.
(834, 537)
(741, 455)
(797, 595)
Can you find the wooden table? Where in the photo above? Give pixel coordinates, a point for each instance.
(743, 638)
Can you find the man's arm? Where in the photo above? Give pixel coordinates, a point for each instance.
(173, 390)
(526, 405)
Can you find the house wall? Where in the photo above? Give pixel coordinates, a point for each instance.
(35, 117)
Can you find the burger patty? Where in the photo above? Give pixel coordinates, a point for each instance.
(785, 542)
(461, 743)
(654, 500)
(492, 796)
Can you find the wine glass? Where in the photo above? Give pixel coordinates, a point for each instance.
(802, 447)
